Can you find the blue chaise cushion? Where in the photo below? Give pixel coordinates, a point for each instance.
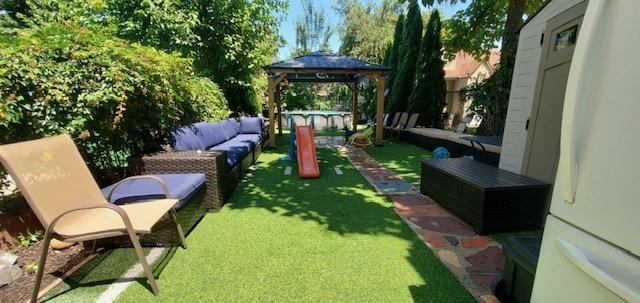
(181, 187)
(250, 125)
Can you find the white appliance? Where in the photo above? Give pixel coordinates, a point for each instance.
(591, 244)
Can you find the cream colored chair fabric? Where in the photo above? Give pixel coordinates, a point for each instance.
(61, 191)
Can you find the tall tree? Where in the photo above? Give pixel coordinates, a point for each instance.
(312, 34)
(312, 31)
(367, 33)
(428, 96)
(475, 30)
(229, 40)
(410, 49)
(237, 37)
(394, 56)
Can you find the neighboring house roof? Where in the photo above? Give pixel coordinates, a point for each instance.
(465, 64)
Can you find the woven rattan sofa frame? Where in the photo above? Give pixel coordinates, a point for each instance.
(221, 178)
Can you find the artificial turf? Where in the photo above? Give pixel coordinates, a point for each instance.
(402, 158)
(283, 239)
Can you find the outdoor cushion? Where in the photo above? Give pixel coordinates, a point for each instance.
(181, 187)
(185, 138)
(235, 125)
(250, 125)
(210, 133)
(236, 150)
(229, 128)
(254, 139)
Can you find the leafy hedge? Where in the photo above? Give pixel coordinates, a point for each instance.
(112, 97)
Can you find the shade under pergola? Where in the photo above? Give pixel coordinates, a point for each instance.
(324, 67)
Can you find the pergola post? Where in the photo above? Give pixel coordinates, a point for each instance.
(379, 109)
(278, 101)
(354, 105)
(272, 127)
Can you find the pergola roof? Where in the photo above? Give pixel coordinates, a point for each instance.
(324, 67)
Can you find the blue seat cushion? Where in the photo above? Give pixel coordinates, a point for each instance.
(254, 139)
(250, 125)
(236, 150)
(181, 187)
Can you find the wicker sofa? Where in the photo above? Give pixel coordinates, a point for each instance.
(222, 150)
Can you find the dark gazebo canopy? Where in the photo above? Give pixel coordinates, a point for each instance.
(323, 67)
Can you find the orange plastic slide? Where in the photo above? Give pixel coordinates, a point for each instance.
(307, 158)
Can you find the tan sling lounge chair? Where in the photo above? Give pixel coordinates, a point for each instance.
(62, 193)
(402, 127)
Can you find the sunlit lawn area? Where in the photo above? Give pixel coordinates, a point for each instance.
(283, 239)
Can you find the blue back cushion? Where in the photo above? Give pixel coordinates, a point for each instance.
(187, 138)
(250, 125)
(211, 133)
(231, 128)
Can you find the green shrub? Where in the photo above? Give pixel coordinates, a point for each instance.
(115, 99)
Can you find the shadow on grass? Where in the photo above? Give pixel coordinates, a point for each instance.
(344, 204)
(105, 269)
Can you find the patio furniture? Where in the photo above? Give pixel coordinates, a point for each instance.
(222, 150)
(402, 128)
(393, 122)
(431, 138)
(398, 123)
(61, 191)
(487, 198)
(362, 139)
(189, 189)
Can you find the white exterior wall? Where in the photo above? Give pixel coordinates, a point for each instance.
(523, 85)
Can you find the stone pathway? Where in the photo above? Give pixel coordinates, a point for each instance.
(475, 260)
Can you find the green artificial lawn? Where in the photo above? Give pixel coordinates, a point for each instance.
(92, 279)
(402, 158)
(283, 239)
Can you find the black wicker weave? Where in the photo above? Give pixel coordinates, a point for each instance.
(487, 198)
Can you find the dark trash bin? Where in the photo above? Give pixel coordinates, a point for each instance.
(521, 257)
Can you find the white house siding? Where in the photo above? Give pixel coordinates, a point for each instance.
(523, 85)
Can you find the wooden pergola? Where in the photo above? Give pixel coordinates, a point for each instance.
(323, 67)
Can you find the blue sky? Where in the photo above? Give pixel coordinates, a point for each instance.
(287, 28)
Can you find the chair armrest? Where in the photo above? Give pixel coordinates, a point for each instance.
(162, 184)
(123, 215)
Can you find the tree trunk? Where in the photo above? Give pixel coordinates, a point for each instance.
(494, 121)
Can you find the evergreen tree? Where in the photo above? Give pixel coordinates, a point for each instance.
(410, 50)
(394, 57)
(429, 93)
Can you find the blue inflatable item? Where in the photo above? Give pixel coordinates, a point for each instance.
(441, 153)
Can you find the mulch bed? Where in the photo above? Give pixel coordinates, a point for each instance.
(58, 262)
